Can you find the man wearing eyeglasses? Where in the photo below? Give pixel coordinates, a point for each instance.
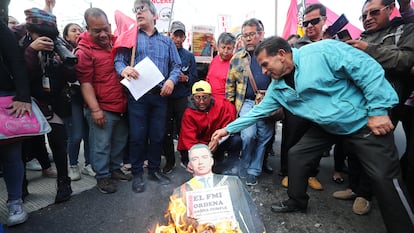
(147, 115)
(391, 43)
(239, 90)
(203, 116)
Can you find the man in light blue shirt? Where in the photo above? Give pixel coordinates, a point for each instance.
(344, 93)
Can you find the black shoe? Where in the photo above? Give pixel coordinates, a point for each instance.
(286, 207)
(168, 168)
(159, 177)
(63, 190)
(267, 168)
(138, 184)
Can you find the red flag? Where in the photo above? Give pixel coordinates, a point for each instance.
(291, 25)
(126, 29)
(123, 22)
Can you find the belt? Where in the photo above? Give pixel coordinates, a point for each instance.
(155, 91)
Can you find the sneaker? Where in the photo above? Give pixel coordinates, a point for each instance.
(33, 165)
(87, 170)
(63, 190)
(361, 206)
(251, 180)
(17, 215)
(138, 184)
(315, 184)
(74, 173)
(119, 175)
(285, 182)
(49, 173)
(346, 194)
(105, 185)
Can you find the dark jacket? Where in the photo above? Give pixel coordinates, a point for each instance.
(12, 65)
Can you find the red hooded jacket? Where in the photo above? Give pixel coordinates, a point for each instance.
(198, 126)
(96, 66)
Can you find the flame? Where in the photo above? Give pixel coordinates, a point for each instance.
(180, 223)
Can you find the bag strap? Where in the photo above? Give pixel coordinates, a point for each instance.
(249, 72)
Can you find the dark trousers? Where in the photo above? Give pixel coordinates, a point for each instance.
(175, 112)
(58, 145)
(232, 146)
(359, 181)
(293, 128)
(379, 158)
(407, 160)
(146, 131)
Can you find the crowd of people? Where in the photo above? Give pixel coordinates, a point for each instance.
(327, 93)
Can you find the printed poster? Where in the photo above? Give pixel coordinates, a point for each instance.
(202, 42)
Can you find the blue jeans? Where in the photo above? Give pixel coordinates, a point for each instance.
(107, 145)
(147, 120)
(12, 163)
(254, 139)
(77, 129)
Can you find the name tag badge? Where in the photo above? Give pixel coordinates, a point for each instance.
(46, 83)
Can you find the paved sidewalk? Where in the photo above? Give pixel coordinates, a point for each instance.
(42, 192)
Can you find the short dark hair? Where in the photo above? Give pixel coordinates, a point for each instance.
(272, 45)
(94, 12)
(312, 7)
(226, 38)
(293, 36)
(254, 22)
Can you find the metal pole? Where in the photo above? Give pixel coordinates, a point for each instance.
(276, 32)
(171, 15)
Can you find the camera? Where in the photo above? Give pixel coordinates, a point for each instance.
(67, 57)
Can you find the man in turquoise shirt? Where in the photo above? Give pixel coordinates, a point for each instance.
(344, 93)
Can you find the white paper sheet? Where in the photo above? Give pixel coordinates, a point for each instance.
(149, 76)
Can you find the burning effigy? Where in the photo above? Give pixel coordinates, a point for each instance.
(210, 203)
(194, 209)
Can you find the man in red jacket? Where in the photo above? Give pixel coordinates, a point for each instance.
(203, 116)
(105, 100)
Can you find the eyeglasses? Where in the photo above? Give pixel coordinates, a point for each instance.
(198, 98)
(312, 21)
(249, 35)
(372, 13)
(139, 8)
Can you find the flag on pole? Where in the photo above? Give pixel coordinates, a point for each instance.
(294, 19)
(126, 30)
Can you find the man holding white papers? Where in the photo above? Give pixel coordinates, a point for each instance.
(147, 114)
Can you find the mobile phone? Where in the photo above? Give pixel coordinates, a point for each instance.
(337, 25)
(344, 35)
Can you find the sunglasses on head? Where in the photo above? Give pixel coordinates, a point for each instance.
(372, 13)
(312, 21)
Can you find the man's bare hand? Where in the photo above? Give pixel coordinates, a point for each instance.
(98, 118)
(130, 73)
(359, 44)
(168, 88)
(213, 144)
(380, 125)
(219, 134)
